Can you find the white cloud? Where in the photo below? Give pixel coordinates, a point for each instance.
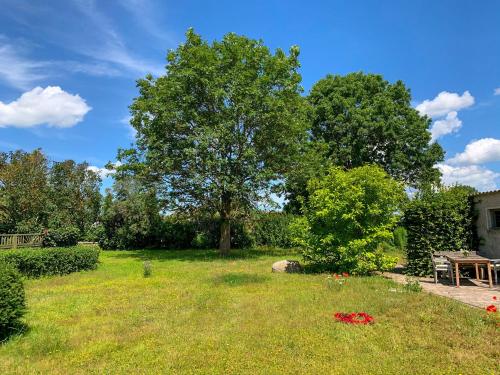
(448, 125)
(496, 91)
(481, 178)
(15, 69)
(101, 172)
(481, 151)
(104, 42)
(21, 72)
(104, 172)
(51, 105)
(444, 103)
(90, 68)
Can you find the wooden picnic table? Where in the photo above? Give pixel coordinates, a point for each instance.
(459, 259)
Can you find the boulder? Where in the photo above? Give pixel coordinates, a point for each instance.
(288, 266)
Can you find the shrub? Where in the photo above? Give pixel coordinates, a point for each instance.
(347, 215)
(442, 220)
(131, 222)
(94, 232)
(51, 261)
(272, 229)
(66, 236)
(12, 304)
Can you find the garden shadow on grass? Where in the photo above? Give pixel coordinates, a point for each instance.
(18, 330)
(199, 255)
(237, 279)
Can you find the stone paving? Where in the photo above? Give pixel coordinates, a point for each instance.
(471, 292)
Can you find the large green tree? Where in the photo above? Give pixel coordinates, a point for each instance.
(220, 127)
(361, 119)
(74, 195)
(23, 191)
(365, 119)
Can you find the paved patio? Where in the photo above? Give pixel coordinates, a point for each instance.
(471, 292)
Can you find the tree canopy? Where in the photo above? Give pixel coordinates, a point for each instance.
(219, 129)
(36, 193)
(363, 119)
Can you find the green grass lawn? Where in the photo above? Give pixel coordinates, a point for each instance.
(202, 314)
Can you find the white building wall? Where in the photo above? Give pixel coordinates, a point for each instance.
(489, 237)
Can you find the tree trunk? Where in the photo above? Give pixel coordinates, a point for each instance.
(225, 226)
(225, 236)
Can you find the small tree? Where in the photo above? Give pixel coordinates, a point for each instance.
(217, 131)
(346, 216)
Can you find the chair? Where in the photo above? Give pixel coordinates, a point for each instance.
(495, 268)
(441, 264)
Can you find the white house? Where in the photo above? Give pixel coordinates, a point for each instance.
(488, 223)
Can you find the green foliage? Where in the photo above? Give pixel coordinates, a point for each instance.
(412, 285)
(347, 215)
(12, 301)
(24, 191)
(400, 238)
(132, 219)
(272, 229)
(36, 194)
(67, 236)
(220, 127)
(173, 232)
(148, 268)
(51, 261)
(75, 196)
(441, 220)
(363, 119)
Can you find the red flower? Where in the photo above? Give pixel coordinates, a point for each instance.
(354, 318)
(494, 298)
(491, 308)
(345, 274)
(336, 276)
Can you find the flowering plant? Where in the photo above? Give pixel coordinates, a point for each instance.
(336, 279)
(494, 310)
(354, 318)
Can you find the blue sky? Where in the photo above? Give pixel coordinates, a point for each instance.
(68, 68)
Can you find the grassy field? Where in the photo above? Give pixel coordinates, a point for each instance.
(198, 313)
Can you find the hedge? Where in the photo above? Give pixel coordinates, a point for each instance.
(65, 236)
(438, 221)
(174, 232)
(12, 302)
(51, 261)
(272, 229)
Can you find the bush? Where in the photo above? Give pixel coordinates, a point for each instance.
(12, 304)
(134, 222)
(438, 221)
(272, 229)
(347, 215)
(94, 233)
(51, 261)
(66, 236)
